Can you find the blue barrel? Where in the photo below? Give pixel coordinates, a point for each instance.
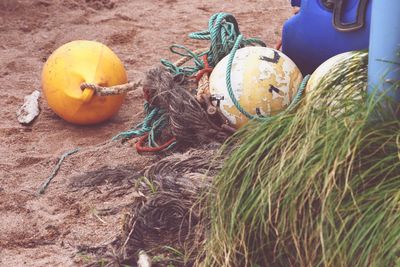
(384, 54)
(324, 28)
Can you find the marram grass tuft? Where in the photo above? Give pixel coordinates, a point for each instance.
(317, 187)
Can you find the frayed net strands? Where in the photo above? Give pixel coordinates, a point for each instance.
(171, 213)
(189, 122)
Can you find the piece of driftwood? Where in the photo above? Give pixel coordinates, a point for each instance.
(30, 109)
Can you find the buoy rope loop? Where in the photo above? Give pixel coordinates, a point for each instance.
(232, 54)
(112, 90)
(228, 79)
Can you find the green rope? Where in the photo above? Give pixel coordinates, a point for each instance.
(223, 32)
(184, 52)
(156, 119)
(228, 79)
(299, 94)
(232, 54)
(42, 189)
(142, 127)
(225, 38)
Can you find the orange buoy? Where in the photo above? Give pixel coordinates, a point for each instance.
(80, 62)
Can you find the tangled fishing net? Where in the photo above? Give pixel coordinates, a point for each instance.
(188, 120)
(170, 213)
(177, 99)
(179, 115)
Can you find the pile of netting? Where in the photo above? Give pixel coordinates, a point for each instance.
(179, 115)
(178, 104)
(171, 213)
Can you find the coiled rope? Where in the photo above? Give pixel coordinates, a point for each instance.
(222, 33)
(225, 39)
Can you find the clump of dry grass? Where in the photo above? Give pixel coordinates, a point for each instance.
(318, 187)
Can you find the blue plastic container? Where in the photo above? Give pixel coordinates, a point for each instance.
(310, 37)
(384, 53)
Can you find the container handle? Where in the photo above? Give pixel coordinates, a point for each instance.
(337, 6)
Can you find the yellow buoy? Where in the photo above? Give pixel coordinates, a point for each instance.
(264, 81)
(80, 62)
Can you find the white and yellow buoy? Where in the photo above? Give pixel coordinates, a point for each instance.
(334, 99)
(325, 68)
(264, 81)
